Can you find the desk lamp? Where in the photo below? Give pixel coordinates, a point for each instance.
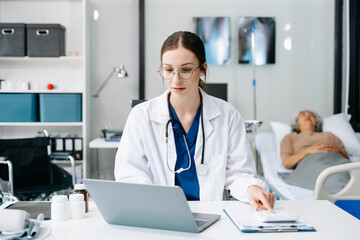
(110, 135)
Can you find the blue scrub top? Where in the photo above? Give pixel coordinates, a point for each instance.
(187, 180)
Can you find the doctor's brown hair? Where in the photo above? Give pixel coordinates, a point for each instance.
(191, 42)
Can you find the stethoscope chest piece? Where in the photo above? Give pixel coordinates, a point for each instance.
(202, 170)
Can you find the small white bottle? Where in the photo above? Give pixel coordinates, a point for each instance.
(59, 208)
(80, 188)
(77, 205)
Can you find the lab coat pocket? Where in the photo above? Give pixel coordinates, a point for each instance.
(214, 181)
(218, 168)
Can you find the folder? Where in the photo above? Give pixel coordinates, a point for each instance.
(112, 136)
(274, 227)
(69, 145)
(78, 148)
(57, 144)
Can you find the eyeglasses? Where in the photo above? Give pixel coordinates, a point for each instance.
(168, 73)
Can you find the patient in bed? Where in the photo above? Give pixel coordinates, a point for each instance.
(309, 151)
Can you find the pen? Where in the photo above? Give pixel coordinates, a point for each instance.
(278, 226)
(35, 230)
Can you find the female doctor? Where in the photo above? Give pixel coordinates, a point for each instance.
(187, 138)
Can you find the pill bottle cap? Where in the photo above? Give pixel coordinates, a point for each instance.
(79, 187)
(59, 199)
(76, 197)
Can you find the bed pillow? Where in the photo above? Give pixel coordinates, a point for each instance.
(356, 158)
(280, 130)
(339, 125)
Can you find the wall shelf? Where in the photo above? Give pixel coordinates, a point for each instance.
(67, 73)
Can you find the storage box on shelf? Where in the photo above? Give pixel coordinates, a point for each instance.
(45, 40)
(12, 39)
(18, 107)
(60, 107)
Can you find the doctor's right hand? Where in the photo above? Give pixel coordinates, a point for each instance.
(261, 199)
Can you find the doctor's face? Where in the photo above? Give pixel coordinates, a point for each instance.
(181, 71)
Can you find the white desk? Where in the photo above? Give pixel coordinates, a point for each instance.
(101, 143)
(331, 223)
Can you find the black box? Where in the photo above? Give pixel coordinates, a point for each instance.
(12, 39)
(45, 40)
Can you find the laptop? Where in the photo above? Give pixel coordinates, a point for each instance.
(148, 206)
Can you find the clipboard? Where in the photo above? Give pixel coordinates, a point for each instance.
(268, 228)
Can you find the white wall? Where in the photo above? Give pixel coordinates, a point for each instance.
(301, 78)
(113, 41)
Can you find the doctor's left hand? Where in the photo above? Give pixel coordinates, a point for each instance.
(261, 199)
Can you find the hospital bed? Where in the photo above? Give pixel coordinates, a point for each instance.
(265, 143)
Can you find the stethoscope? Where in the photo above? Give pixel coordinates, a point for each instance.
(202, 169)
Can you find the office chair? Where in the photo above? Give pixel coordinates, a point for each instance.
(218, 90)
(135, 102)
(27, 168)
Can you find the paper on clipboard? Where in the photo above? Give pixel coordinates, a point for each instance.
(269, 227)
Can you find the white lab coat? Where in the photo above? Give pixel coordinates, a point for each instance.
(141, 156)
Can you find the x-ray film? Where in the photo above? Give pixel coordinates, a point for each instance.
(264, 32)
(216, 35)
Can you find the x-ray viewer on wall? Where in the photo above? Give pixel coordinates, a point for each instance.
(264, 32)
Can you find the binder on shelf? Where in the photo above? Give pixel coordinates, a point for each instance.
(69, 145)
(78, 148)
(57, 144)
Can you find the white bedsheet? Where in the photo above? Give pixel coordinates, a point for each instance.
(271, 163)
